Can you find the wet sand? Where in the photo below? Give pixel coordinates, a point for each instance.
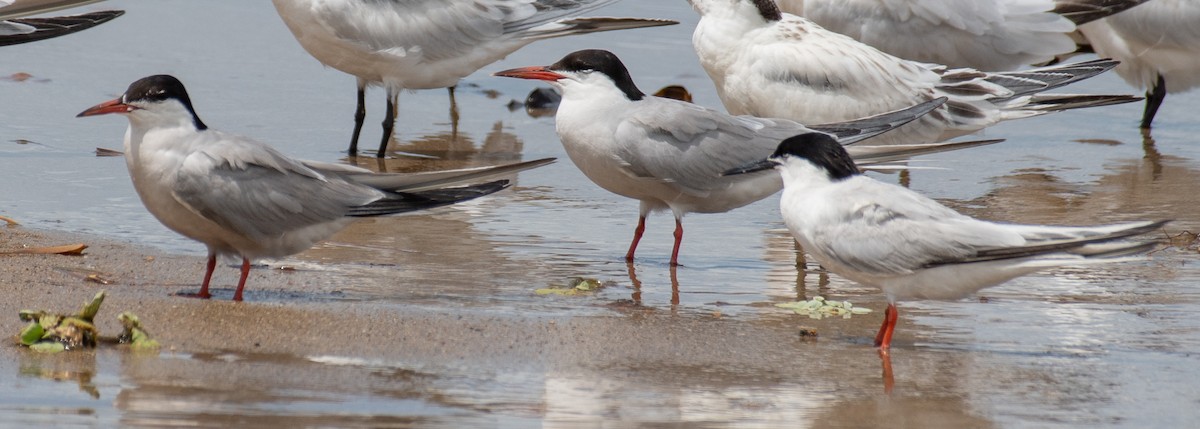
(344, 348)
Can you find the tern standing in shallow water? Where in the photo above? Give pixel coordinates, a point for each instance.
(777, 65)
(668, 154)
(1158, 44)
(912, 247)
(426, 44)
(243, 198)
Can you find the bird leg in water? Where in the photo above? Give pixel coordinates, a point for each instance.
(1154, 98)
(637, 236)
(360, 114)
(389, 122)
(889, 381)
(883, 339)
(678, 240)
(237, 295)
(453, 113)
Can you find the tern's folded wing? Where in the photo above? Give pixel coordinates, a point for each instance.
(258, 193)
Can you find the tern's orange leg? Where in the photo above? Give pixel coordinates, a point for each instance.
(637, 236)
(883, 339)
(678, 240)
(208, 272)
(237, 295)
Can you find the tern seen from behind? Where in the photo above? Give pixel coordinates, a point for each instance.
(912, 247)
(243, 198)
(426, 44)
(669, 154)
(1158, 44)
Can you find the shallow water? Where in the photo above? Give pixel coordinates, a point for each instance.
(1111, 346)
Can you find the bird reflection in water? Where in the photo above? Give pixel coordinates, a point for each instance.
(445, 148)
(637, 286)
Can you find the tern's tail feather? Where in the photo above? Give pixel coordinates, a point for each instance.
(1057, 102)
(45, 28)
(567, 27)
(1098, 242)
(851, 132)
(1026, 82)
(866, 155)
(400, 202)
(1084, 11)
(417, 182)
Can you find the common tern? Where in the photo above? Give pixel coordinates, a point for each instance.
(912, 247)
(992, 35)
(243, 198)
(425, 44)
(772, 64)
(1158, 45)
(15, 28)
(668, 154)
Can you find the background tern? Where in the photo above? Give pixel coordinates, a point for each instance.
(992, 35)
(1158, 45)
(771, 64)
(243, 198)
(910, 246)
(15, 29)
(425, 44)
(668, 154)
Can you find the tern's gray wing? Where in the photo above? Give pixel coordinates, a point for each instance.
(253, 190)
(429, 29)
(427, 180)
(850, 132)
(674, 141)
(883, 229)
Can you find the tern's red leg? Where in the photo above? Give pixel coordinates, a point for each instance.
(208, 272)
(883, 339)
(237, 295)
(637, 236)
(678, 240)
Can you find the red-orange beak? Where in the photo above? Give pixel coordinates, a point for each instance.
(533, 72)
(110, 106)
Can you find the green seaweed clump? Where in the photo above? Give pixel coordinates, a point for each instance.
(574, 286)
(53, 333)
(819, 307)
(133, 334)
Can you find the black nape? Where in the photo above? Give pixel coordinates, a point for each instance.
(602, 61)
(160, 88)
(823, 151)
